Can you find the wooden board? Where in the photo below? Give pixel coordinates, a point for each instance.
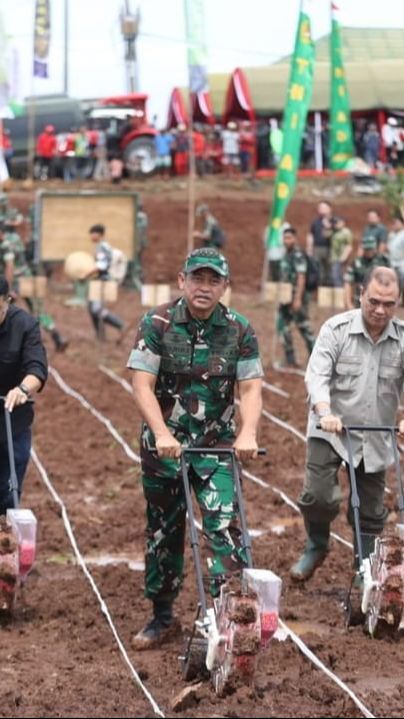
(106, 291)
(64, 218)
(32, 287)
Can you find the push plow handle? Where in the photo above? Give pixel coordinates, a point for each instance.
(355, 503)
(12, 481)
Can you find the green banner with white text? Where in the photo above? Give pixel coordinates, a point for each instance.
(341, 137)
(294, 123)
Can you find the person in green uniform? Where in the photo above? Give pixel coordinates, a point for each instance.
(18, 266)
(293, 270)
(189, 355)
(368, 258)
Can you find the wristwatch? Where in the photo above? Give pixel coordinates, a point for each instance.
(23, 387)
(323, 413)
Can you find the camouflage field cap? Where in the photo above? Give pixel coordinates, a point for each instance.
(207, 257)
(369, 243)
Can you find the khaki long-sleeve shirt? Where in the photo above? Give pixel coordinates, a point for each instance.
(361, 380)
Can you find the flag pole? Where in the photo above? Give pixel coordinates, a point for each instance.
(191, 178)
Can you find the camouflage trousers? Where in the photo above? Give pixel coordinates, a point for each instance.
(166, 516)
(286, 315)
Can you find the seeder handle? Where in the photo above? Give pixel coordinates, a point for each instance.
(12, 480)
(392, 429)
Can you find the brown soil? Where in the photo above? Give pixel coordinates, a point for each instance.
(59, 657)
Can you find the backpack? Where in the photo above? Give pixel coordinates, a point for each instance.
(217, 236)
(118, 265)
(312, 273)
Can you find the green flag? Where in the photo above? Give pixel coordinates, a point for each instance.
(341, 140)
(197, 52)
(294, 123)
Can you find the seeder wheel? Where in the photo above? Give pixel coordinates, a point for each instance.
(9, 569)
(386, 603)
(239, 625)
(194, 660)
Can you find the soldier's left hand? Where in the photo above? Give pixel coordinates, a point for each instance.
(296, 305)
(401, 429)
(246, 448)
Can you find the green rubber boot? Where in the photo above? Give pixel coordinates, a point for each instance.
(316, 550)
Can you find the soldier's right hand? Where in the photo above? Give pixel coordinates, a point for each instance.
(167, 446)
(331, 423)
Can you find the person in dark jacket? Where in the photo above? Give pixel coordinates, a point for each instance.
(23, 372)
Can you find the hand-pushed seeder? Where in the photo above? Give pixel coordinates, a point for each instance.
(17, 536)
(229, 634)
(376, 594)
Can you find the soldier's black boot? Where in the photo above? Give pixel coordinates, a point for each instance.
(315, 551)
(59, 341)
(160, 629)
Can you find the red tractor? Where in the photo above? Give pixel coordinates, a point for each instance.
(128, 131)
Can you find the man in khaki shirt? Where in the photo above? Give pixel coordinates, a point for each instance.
(355, 376)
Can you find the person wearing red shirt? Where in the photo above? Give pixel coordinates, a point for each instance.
(46, 151)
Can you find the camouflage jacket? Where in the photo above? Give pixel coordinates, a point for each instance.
(6, 254)
(292, 263)
(197, 363)
(17, 249)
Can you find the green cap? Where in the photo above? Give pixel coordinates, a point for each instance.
(369, 242)
(207, 257)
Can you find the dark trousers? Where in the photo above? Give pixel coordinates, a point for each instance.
(22, 448)
(321, 496)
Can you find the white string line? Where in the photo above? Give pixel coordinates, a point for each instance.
(299, 643)
(284, 425)
(289, 370)
(318, 663)
(290, 502)
(108, 424)
(275, 390)
(88, 575)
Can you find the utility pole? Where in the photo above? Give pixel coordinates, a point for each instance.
(66, 49)
(130, 23)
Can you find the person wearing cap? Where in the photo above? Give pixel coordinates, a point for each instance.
(391, 136)
(375, 228)
(188, 357)
(103, 255)
(354, 377)
(341, 250)
(293, 272)
(231, 148)
(17, 267)
(45, 151)
(368, 258)
(211, 234)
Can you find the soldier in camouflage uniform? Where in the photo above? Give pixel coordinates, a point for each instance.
(142, 226)
(19, 267)
(211, 234)
(361, 265)
(293, 270)
(187, 359)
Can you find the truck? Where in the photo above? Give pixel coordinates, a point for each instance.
(123, 117)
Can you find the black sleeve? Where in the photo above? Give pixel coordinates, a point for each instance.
(33, 354)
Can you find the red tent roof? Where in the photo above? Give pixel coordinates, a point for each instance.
(177, 112)
(202, 109)
(238, 103)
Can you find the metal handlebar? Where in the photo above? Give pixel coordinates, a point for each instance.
(355, 502)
